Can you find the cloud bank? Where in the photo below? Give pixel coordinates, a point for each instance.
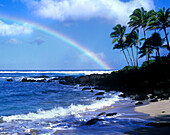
(66, 10)
(13, 29)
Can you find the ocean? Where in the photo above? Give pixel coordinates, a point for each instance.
(49, 107)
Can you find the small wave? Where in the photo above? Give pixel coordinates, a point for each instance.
(59, 72)
(63, 112)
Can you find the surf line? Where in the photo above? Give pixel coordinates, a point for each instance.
(61, 37)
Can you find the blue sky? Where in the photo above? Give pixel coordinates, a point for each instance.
(88, 22)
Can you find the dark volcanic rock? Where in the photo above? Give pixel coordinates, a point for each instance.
(9, 80)
(63, 82)
(49, 81)
(93, 121)
(53, 79)
(86, 88)
(43, 80)
(83, 79)
(67, 80)
(102, 114)
(92, 79)
(156, 92)
(154, 100)
(123, 95)
(99, 93)
(141, 97)
(139, 103)
(165, 95)
(98, 98)
(27, 80)
(44, 76)
(110, 114)
(158, 124)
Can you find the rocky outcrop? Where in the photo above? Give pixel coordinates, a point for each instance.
(43, 80)
(99, 98)
(102, 114)
(44, 76)
(107, 114)
(158, 124)
(111, 114)
(93, 121)
(99, 93)
(93, 79)
(87, 88)
(139, 103)
(9, 80)
(27, 80)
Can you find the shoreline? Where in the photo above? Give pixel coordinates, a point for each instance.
(124, 110)
(160, 112)
(155, 109)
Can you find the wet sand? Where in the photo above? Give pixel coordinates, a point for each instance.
(125, 108)
(155, 109)
(160, 111)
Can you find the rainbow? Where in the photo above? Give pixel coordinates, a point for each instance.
(62, 37)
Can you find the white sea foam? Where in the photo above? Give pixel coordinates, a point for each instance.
(59, 72)
(63, 112)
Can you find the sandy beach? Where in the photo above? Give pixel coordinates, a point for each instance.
(155, 109)
(160, 111)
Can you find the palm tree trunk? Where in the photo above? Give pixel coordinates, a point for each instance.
(130, 56)
(137, 54)
(166, 36)
(126, 57)
(137, 45)
(148, 59)
(133, 55)
(158, 52)
(147, 49)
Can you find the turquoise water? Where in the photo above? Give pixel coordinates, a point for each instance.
(50, 107)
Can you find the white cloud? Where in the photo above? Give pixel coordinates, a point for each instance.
(38, 41)
(13, 29)
(13, 41)
(65, 10)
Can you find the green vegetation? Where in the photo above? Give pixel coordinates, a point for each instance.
(144, 80)
(146, 20)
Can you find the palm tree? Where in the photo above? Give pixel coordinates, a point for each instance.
(132, 40)
(163, 22)
(139, 18)
(156, 42)
(142, 51)
(153, 42)
(118, 39)
(152, 22)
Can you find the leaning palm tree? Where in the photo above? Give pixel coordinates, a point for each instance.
(139, 18)
(152, 22)
(132, 40)
(118, 39)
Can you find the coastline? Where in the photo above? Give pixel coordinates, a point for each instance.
(124, 110)
(160, 112)
(92, 83)
(155, 109)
